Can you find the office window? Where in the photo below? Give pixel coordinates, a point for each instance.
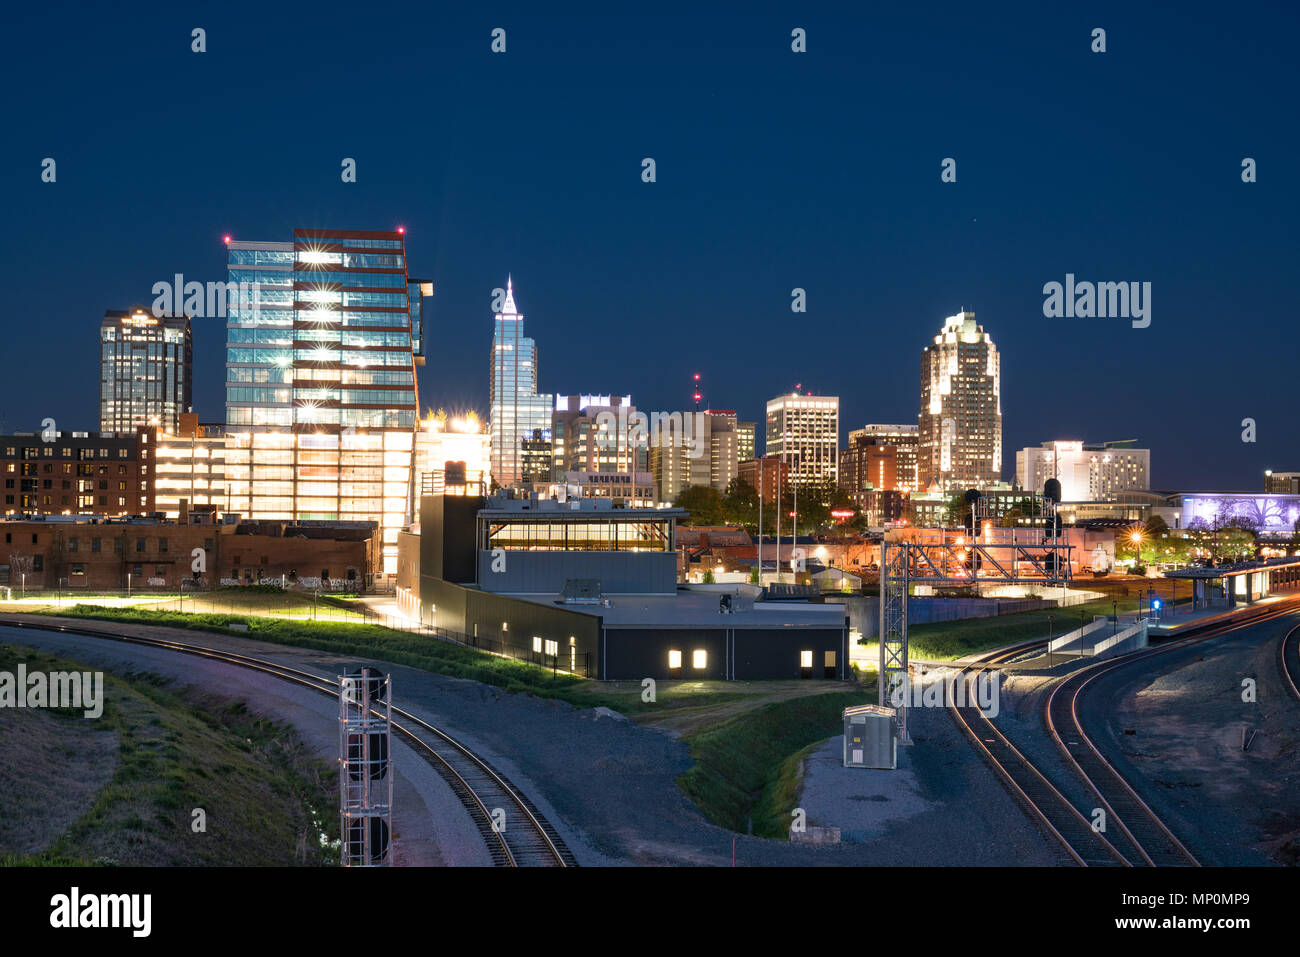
(699, 658)
(805, 659)
(95, 544)
(674, 660)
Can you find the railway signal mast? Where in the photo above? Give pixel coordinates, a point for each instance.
(973, 555)
(365, 768)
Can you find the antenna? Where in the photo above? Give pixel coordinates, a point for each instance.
(696, 385)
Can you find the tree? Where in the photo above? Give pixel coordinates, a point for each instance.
(1156, 527)
(704, 503)
(740, 504)
(959, 510)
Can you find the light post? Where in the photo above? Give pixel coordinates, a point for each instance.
(1082, 625)
(1049, 641)
(24, 584)
(1114, 618)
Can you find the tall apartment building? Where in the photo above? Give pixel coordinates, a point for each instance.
(960, 423)
(594, 433)
(704, 451)
(1087, 473)
(321, 400)
(76, 473)
(520, 418)
(145, 370)
(804, 431)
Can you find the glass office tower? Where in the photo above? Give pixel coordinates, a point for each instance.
(145, 367)
(321, 398)
(521, 419)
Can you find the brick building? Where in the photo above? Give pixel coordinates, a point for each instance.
(76, 473)
(110, 553)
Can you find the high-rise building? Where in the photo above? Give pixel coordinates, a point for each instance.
(1087, 473)
(321, 399)
(746, 444)
(1282, 483)
(594, 433)
(804, 431)
(145, 368)
(901, 438)
(704, 451)
(520, 418)
(960, 423)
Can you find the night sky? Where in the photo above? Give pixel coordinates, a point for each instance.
(775, 170)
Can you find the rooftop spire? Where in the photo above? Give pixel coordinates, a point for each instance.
(509, 307)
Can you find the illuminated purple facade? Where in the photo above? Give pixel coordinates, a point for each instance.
(1268, 513)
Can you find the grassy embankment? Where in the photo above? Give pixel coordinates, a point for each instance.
(749, 767)
(122, 788)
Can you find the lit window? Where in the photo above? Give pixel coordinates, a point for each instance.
(674, 660)
(699, 658)
(805, 659)
(537, 643)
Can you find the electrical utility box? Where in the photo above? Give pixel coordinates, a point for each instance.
(869, 737)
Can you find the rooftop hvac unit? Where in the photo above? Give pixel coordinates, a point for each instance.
(869, 738)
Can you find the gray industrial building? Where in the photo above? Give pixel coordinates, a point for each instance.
(592, 587)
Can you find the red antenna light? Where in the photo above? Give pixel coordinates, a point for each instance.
(226, 239)
(697, 377)
(401, 229)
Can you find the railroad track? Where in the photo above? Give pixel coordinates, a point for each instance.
(1134, 836)
(1037, 796)
(1289, 659)
(527, 839)
(1133, 828)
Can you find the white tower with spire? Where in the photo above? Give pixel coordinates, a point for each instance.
(520, 417)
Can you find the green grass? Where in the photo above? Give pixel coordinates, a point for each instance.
(944, 641)
(749, 766)
(365, 641)
(626, 696)
(177, 750)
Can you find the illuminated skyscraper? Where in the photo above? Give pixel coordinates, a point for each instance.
(145, 365)
(520, 418)
(321, 398)
(960, 423)
(804, 431)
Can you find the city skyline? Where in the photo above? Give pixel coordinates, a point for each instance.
(851, 221)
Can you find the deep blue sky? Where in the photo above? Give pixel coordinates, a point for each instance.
(775, 170)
